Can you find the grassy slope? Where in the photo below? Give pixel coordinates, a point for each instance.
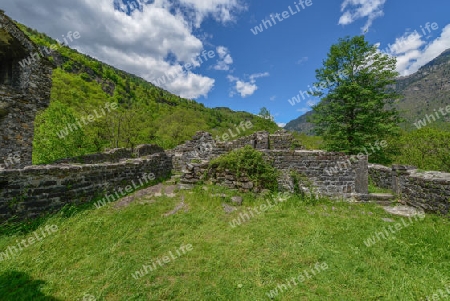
(95, 252)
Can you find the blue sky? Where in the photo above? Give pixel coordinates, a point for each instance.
(245, 71)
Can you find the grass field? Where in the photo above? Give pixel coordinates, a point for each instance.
(297, 249)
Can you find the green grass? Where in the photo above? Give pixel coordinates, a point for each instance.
(95, 252)
(375, 189)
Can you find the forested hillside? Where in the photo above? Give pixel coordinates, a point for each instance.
(145, 113)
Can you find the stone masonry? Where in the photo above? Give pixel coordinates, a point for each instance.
(24, 90)
(429, 190)
(286, 157)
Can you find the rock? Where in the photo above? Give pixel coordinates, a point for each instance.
(237, 200)
(405, 211)
(228, 208)
(247, 185)
(185, 186)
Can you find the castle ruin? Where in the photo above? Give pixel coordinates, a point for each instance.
(24, 90)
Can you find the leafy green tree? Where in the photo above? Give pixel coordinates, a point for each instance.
(357, 109)
(265, 113)
(53, 138)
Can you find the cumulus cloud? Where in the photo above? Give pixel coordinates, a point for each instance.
(353, 10)
(221, 10)
(281, 124)
(246, 88)
(412, 52)
(225, 59)
(138, 37)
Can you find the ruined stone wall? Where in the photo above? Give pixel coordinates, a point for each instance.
(35, 190)
(308, 167)
(204, 147)
(24, 90)
(380, 175)
(428, 190)
(114, 155)
(313, 166)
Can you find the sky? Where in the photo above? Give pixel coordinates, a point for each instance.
(241, 54)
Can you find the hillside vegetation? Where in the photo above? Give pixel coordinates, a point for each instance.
(82, 86)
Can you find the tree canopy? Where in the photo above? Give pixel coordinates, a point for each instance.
(356, 86)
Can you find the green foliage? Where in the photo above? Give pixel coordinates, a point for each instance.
(357, 110)
(248, 162)
(427, 148)
(52, 145)
(265, 113)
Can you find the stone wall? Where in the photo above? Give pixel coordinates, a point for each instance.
(35, 190)
(204, 147)
(24, 90)
(114, 155)
(380, 175)
(428, 190)
(311, 165)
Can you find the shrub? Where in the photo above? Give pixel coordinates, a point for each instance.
(248, 162)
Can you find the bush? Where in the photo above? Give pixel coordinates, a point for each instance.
(248, 162)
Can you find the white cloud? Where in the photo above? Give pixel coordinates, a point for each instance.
(356, 9)
(303, 110)
(221, 10)
(412, 52)
(273, 97)
(302, 60)
(246, 88)
(138, 42)
(225, 59)
(281, 124)
(406, 43)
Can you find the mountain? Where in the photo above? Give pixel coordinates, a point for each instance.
(146, 114)
(424, 92)
(301, 124)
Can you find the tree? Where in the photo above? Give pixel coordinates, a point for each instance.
(357, 110)
(52, 138)
(264, 113)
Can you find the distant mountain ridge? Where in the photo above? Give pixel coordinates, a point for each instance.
(425, 91)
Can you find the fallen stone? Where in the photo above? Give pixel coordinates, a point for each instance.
(237, 200)
(221, 195)
(185, 186)
(403, 210)
(228, 208)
